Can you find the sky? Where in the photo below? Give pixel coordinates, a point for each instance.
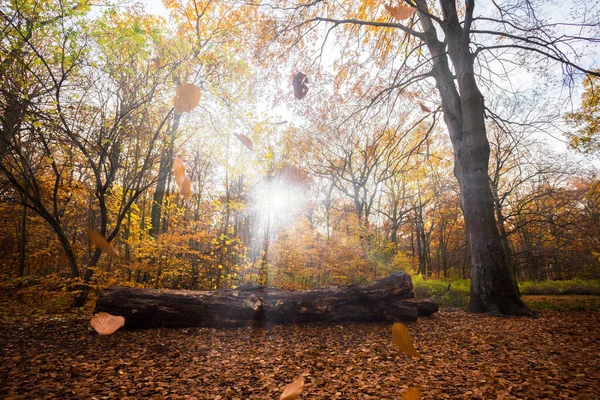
(155, 7)
(556, 12)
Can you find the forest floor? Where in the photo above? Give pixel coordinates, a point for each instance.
(463, 356)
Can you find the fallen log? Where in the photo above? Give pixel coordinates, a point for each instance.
(387, 299)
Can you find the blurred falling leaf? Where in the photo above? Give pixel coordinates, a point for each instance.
(400, 12)
(414, 393)
(292, 174)
(187, 97)
(424, 107)
(179, 171)
(106, 324)
(402, 339)
(186, 188)
(99, 240)
(293, 389)
(245, 141)
(300, 85)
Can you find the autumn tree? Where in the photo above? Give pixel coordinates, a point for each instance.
(91, 125)
(587, 119)
(450, 46)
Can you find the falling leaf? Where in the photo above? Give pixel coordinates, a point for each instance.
(292, 174)
(414, 393)
(187, 97)
(106, 324)
(402, 339)
(293, 389)
(245, 141)
(99, 240)
(424, 107)
(179, 170)
(400, 12)
(186, 188)
(300, 84)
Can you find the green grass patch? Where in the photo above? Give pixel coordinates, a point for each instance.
(571, 295)
(445, 293)
(570, 287)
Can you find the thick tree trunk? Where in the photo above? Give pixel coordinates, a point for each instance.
(388, 299)
(492, 289)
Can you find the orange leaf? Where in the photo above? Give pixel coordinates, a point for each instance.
(400, 12)
(105, 324)
(245, 141)
(424, 107)
(99, 240)
(186, 188)
(402, 339)
(187, 97)
(293, 389)
(179, 170)
(414, 393)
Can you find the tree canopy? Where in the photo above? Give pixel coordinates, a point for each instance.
(299, 144)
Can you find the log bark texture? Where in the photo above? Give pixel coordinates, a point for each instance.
(387, 299)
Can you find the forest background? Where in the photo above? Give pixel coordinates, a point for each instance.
(337, 188)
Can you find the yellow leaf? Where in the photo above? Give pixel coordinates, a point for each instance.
(106, 324)
(414, 393)
(187, 97)
(293, 389)
(400, 12)
(402, 339)
(99, 240)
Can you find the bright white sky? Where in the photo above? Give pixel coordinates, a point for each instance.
(556, 11)
(155, 7)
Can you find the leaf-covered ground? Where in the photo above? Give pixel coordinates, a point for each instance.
(462, 356)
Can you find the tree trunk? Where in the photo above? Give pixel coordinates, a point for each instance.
(166, 162)
(492, 289)
(387, 299)
(23, 241)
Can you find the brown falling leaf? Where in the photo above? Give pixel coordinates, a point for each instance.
(187, 97)
(414, 393)
(186, 188)
(106, 324)
(400, 12)
(99, 240)
(300, 84)
(424, 107)
(245, 141)
(292, 174)
(293, 390)
(402, 339)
